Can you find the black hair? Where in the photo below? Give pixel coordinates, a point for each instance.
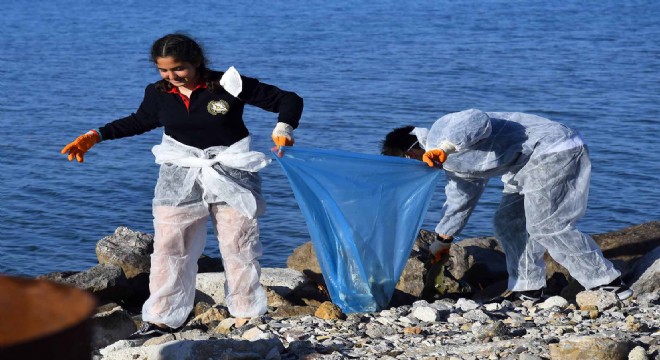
(398, 141)
(183, 48)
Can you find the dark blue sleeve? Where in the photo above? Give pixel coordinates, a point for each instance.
(287, 104)
(143, 120)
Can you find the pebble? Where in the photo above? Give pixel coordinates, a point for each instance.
(469, 331)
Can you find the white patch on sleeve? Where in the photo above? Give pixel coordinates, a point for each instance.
(231, 82)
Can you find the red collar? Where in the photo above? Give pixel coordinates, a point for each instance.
(186, 100)
(175, 90)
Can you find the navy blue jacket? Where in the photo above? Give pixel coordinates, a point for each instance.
(212, 119)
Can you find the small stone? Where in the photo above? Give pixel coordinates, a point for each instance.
(415, 330)
(638, 353)
(425, 313)
(329, 311)
(602, 299)
(553, 301)
(633, 324)
(465, 304)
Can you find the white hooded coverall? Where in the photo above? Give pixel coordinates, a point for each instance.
(545, 169)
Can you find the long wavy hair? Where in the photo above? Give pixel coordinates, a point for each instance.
(183, 48)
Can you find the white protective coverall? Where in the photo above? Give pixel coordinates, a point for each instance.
(545, 169)
(192, 184)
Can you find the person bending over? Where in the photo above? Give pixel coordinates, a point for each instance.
(545, 169)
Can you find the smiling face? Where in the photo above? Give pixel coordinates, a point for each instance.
(177, 73)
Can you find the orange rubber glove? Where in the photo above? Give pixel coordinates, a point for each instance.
(282, 136)
(440, 248)
(81, 145)
(434, 157)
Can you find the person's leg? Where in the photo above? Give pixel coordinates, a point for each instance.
(240, 247)
(556, 191)
(179, 239)
(524, 258)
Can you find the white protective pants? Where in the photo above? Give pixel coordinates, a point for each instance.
(542, 216)
(179, 240)
(192, 184)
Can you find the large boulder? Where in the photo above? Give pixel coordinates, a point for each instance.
(128, 249)
(210, 286)
(477, 266)
(478, 261)
(131, 250)
(106, 281)
(631, 243)
(411, 284)
(645, 275)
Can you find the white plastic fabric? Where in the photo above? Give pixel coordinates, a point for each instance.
(231, 81)
(179, 240)
(221, 173)
(545, 169)
(193, 184)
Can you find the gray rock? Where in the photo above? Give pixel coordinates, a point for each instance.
(466, 304)
(526, 356)
(111, 326)
(482, 264)
(646, 272)
(476, 315)
(107, 282)
(128, 249)
(589, 347)
(425, 313)
(631, 243)
(601, 299)
(202, 349)
(638, 353)
(553, 301)
(483, 331)
(281, 280)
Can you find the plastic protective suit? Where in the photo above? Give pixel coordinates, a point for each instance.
(545, 169)
(219, 181)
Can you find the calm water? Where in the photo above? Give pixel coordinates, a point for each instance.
(68, 66)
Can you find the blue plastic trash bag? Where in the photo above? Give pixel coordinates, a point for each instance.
(363, 213)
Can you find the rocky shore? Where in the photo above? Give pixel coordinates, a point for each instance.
(454, 316)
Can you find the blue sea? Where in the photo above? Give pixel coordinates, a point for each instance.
(363, 68)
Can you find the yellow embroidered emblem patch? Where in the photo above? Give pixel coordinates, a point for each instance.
(218, 107)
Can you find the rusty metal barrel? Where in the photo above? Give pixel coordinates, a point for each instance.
(40, 319)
